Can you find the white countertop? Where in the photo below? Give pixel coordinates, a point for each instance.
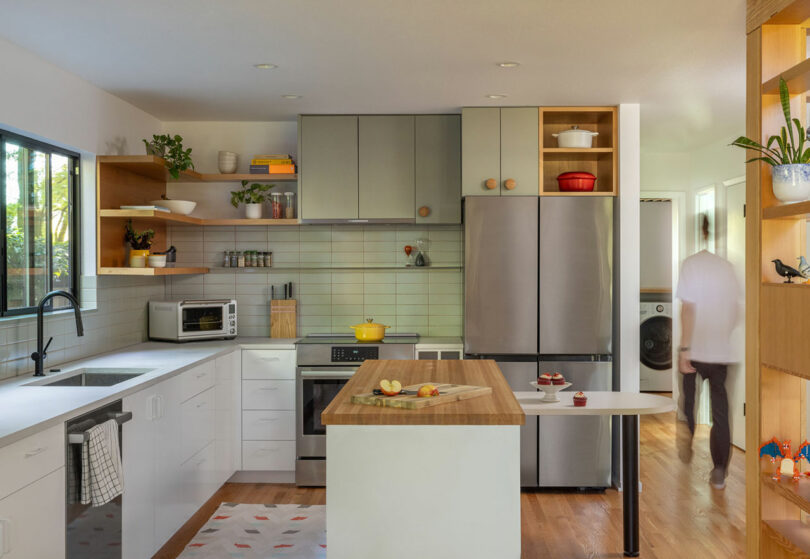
(599, 403)
(25, 410)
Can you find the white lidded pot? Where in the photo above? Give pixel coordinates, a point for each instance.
(575, 138)
(791, 183)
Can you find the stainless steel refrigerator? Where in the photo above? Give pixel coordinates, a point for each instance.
(538, 297)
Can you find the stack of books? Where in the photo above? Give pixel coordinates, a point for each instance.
(272, 164)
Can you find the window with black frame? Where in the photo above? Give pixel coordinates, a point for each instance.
(38, 186)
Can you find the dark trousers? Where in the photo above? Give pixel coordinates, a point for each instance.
(720, 438)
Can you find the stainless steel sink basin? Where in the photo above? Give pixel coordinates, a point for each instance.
(92, 376)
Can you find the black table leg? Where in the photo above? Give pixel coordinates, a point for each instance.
(630, 484)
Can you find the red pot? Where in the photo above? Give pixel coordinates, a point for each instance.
(576, 181)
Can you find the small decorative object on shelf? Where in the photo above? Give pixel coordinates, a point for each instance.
(408, 252)
(788, 462)
(575, 138)
(272, 164)
(289, 209)
(252, 196)
(787, 271)
(421, 260)
(227, 162)
(804, 267)
(139, 243)
(576, 181)
(789, 158)
(171, 149)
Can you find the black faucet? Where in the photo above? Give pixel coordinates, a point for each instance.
(39, 355)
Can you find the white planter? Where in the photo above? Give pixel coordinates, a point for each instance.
(791, 183)
(253, 211)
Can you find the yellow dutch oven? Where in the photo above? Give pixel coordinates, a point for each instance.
(369, 332)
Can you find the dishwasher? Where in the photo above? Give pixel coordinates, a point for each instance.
(91, 531)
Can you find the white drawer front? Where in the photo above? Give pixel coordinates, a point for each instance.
(260, 364)
(197, 420)
(268, 455)
(196, 380)
(268, 395)
(31, 458)
(268, 425)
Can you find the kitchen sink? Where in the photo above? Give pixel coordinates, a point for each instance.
(93, 376)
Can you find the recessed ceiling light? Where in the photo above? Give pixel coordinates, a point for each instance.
(265, 66)
(292, 96)
(495, 96)
(508, 64)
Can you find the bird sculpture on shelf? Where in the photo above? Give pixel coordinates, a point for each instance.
(786, 271)
(804, 267)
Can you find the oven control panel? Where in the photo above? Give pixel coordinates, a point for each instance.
(354, 353)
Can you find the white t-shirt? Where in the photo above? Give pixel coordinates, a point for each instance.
(709, 282)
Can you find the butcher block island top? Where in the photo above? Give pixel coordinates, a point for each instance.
(498, 408)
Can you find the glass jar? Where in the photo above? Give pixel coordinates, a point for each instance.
(226, 261)
(278, 210)
(268, 259)
(260, 259)
(241, 259)
(254, 257)
(234, 259)
(289, 209)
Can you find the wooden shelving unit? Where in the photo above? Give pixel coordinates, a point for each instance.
(777, 361)
(600, 160)
(154, 167)
(127, 271)
(234, 177)
(178, 219)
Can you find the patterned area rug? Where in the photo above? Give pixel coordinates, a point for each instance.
(261, 532)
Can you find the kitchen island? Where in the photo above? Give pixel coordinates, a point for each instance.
(437, 482)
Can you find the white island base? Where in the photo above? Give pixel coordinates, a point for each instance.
(426, 491)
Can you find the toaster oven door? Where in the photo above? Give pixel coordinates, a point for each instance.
(203, 320)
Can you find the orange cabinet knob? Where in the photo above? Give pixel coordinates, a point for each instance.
(509, 184)
(491, 184)
(424, 211)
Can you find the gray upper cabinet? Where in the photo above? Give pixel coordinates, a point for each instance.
(328, 167)
(519, 151)
(386, 178)
(500, 154)
(480, 151)
(438, 168)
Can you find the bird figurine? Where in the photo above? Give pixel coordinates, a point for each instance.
(786, 271)
(804, 267)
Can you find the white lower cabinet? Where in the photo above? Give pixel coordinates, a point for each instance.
(32, 520)
(228, 400)
(269, 455)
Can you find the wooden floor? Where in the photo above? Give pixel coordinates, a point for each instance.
(681, 515)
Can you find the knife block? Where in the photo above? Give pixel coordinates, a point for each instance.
(282, 318)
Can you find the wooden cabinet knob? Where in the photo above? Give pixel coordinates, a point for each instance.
(491, 184)
(509, 184)
(424, 211)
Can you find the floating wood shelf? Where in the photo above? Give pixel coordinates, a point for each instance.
(794, 373)
(239, 221)
(797, 210)
(797, 492)
(180, 219)
(123, 271)
(577, 150)
(789, 535)
(797, 78)
(207, 177)
(154, 167)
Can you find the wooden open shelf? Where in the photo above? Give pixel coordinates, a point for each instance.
(154, 167)
(126, 271)
(797, 210)
(242, 221)
(234, 177)
(790, 538)
(797, 78)
(797, 492)
(178, 219)
(600, 160)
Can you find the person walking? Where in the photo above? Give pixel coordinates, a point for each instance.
(709, 293)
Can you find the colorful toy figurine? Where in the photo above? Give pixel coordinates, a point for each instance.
(781, 452)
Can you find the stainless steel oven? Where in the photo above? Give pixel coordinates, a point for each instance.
(325, 364)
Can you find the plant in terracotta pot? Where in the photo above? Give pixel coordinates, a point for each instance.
(787, 153)
(139, 244)
(171, 149)
(252, 196)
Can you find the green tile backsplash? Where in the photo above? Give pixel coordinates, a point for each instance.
(427, 301)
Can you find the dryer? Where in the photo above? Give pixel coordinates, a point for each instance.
(656, 347)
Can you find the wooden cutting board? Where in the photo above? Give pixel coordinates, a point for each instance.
(447, 393)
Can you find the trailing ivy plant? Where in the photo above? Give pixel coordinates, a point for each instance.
(139, 240)
(256, 193)
(784, 148)
(171, 149)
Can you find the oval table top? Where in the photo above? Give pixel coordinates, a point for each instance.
(599, 403)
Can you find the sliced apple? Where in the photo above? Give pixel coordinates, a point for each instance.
(427, 390)
(390, 387)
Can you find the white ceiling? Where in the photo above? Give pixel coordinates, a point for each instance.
(193, 59)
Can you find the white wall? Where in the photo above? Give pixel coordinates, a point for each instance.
(656, 245)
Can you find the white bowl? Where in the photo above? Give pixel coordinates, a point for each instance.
(157, 260)
(183, 207)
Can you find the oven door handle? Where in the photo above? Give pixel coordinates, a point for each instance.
(326, 374)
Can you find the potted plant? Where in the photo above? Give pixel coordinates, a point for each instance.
(786, 154)
(252, 196)
(139, 245)
(171, 149)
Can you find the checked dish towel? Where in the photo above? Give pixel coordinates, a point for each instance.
(102, 474)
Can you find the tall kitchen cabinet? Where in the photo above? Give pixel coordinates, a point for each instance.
(499, 151)
(386, 168)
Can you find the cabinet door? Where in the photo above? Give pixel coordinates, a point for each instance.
(386, 167)
(32, 520)
(481, 150)
(170, 512)
(438, 168)
(519, 151)
(228, 402)
(328, 173)
(138, 459)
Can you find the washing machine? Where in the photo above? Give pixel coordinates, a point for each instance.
(656, 347)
